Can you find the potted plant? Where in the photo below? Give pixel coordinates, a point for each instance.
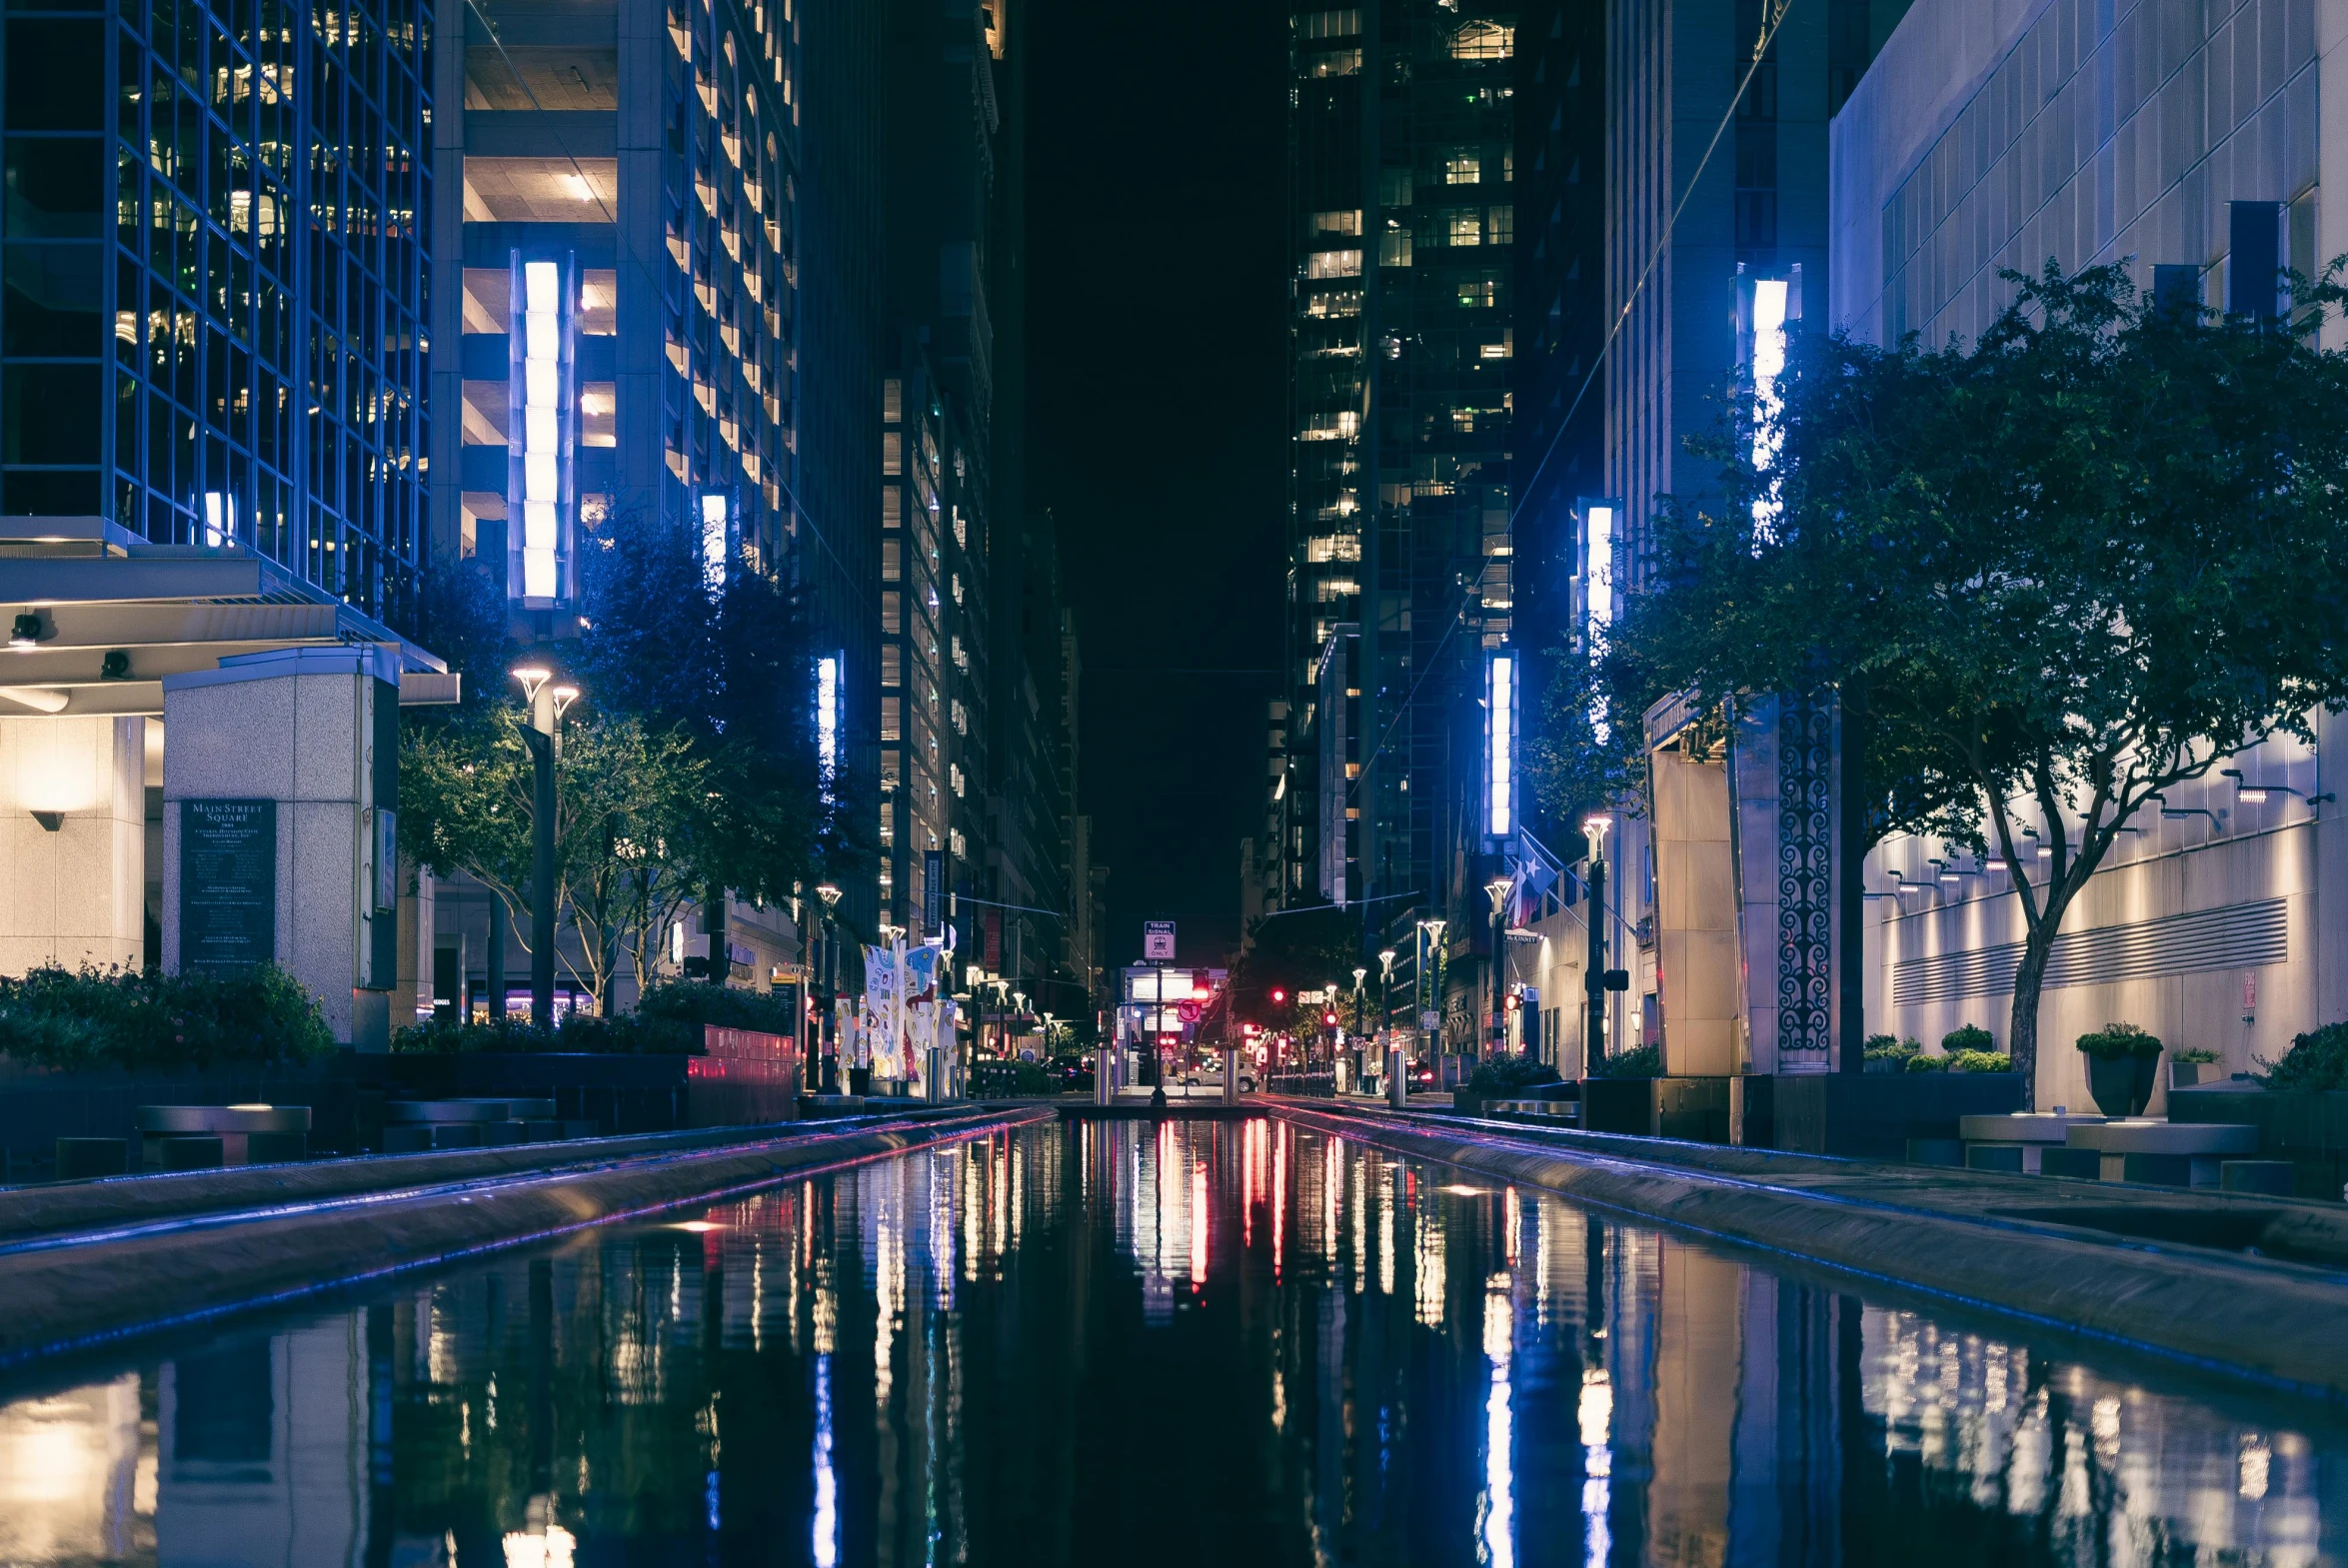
(2189, 1067)
(2121, 1059)
(1888, 1053)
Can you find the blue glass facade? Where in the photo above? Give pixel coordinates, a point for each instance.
(244, 358)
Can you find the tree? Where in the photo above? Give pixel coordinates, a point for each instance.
(2053, 575)
(1291, 952)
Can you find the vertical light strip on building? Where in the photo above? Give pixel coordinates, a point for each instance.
(713, 543)
(1500, 726)
(1598, 594)
(540, 325)
(1768, 406)
(828, 719)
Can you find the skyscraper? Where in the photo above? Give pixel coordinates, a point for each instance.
(245, 360)
(1403, 152)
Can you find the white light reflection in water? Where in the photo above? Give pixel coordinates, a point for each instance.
(827, 1527)
(1199, 1227)
(1497, 1507)
(1596, 1413)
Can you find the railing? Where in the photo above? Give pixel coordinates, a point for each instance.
(1321, 1083)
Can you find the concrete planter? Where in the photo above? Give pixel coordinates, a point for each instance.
(618, 1093)
(2307, 1127)
(39, 1105)
(2123, 1085)
(1868, 1117)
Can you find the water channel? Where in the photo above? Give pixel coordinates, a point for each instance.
(1194, 1343)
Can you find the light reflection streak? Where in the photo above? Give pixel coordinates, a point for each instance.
(827, 1523)
(1199, 1227)
(1499, 1505)
(1595, 1415)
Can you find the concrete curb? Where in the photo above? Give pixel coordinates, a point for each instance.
(110, 1200)
(77, 1291)
(2273, 1321)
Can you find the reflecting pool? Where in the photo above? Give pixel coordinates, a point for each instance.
(1123, 1343)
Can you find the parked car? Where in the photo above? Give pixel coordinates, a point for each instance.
(1071, 1071)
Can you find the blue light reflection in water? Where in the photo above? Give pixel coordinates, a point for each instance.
(1194, 1343)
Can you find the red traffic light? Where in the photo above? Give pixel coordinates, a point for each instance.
(1329, 1018)
(1278, 995)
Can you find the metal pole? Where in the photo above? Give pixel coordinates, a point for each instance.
(1398, 1078)
(541, 868)
(1593, 1047)
(1499, 1046)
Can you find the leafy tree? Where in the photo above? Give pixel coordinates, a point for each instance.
(1299, 951)
(2053, 575)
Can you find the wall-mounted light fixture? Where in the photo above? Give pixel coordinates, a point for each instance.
(24, 630)
(50, 821)
(114, 666)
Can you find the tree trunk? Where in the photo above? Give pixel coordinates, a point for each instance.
(2022, 1031)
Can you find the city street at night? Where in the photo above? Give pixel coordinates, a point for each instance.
(862, 782)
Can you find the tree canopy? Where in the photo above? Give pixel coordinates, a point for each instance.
(2052, 574)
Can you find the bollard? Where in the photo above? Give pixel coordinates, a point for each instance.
(1103, 1080)
(1398, 1078)
(1231, 1076)
(939, 1090)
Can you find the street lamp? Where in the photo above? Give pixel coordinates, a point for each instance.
(1430, 974)
(543, 735)
(827, 1025)
(1497, 888)
(1593, 981)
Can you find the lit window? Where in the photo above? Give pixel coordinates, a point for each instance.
(1463, 167)
(1500, 226)
(1335, 62)
(1333, 264)
(1475, 291)
(1464, 226)
(1342, 302)
(1393, 248)
(1479, 40)
(1336, 222)
(1329, 24)
(1332, 547)
(1332, 589)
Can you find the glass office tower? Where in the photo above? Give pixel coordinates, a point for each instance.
(243, 359)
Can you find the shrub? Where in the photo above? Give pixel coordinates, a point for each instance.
(1883, 1048)
(2316, 1060)
(1923, 1064)
(1502, 1073)
(90, 1018)
(1640, 1061)
(1979, 1061)
(1967, 1036)
(2116, 1040)
(668, 1020)
(2199, 1054)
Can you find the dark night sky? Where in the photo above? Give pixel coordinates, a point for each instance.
(1156, 182)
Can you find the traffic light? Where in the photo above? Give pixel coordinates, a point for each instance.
(1514, 1002)
(1329, 1018)
(1278, 995)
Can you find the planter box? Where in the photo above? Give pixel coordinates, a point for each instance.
(618, 1093)
(1694, 1109)
(39, 1105)
(1865, 1115)
(2307, 1127)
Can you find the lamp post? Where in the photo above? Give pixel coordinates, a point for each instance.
(1497, 890)
(1593, 981)
(1391, 1065)
(1430, 974)
(828, 893)
(544, 736)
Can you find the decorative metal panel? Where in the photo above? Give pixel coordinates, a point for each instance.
(2236, 936)
(1805, 880)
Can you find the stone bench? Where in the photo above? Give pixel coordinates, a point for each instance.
(2168, 1153)
(248, 1134)
(413, 1125)
(2028, 1134)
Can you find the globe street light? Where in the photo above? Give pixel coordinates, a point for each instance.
(1497, 888)
(827, 1028)
(1593, 981)
(543, 735)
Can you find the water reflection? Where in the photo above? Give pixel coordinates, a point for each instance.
(1238, 1343)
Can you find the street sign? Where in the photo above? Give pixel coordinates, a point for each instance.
(1188, 1011)
(1430, 1020)
(1157, 942)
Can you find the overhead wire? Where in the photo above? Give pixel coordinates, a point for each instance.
(1768, 36)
